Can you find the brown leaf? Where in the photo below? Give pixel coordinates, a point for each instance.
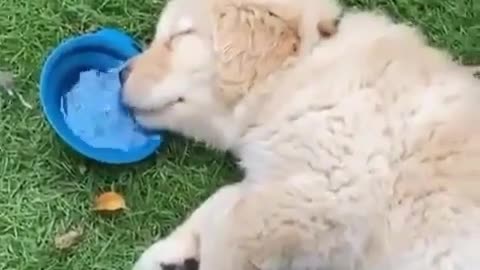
(7, 82)
(109, 201)
(82, 169)
(68, 239)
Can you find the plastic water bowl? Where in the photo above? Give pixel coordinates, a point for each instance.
(101, 50)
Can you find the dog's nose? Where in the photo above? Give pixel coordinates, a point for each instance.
(124, 73)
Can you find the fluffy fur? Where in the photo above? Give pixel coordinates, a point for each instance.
(361, 154)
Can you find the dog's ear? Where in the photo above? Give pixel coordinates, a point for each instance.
(327, 28)
(250, 43)
(475, 70)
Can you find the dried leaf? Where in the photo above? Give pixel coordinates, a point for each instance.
(7, 83)
(109, 201)
(68, 239)
(82, 169)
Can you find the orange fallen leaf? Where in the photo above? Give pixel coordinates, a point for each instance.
(109, 201)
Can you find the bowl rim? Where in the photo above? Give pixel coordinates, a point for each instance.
(55, 55)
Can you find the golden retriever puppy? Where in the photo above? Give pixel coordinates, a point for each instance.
(362, 154)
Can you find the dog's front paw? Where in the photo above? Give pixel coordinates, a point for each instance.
(188, 264)
(168, 254)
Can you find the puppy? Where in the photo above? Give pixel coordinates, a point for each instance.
(362, 154)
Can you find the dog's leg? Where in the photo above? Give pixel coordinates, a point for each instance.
(218, 253)
(180, 249)
(289, 224)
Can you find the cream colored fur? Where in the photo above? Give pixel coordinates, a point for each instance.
(363, 154)
(307, 16)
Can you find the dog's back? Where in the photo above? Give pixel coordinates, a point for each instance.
(377, 128)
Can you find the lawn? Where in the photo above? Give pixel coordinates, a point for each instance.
(45, 189)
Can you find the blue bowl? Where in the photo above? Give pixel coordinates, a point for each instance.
(101, 50)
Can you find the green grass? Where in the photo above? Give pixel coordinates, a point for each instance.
(46, 189)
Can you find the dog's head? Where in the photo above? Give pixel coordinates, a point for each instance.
(202, 64)
(169, 85)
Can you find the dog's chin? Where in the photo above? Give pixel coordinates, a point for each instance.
(146, 118)
(148, 121)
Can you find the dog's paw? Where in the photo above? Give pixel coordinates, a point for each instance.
(188, 264)
(168, 254)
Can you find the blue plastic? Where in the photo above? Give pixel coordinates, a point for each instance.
(101, 50)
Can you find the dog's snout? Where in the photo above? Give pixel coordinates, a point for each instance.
(124, 73)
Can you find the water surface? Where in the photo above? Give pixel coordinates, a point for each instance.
(93, 111)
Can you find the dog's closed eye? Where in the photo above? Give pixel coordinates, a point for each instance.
(177, 35)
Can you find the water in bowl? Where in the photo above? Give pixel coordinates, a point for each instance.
(93, 111)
